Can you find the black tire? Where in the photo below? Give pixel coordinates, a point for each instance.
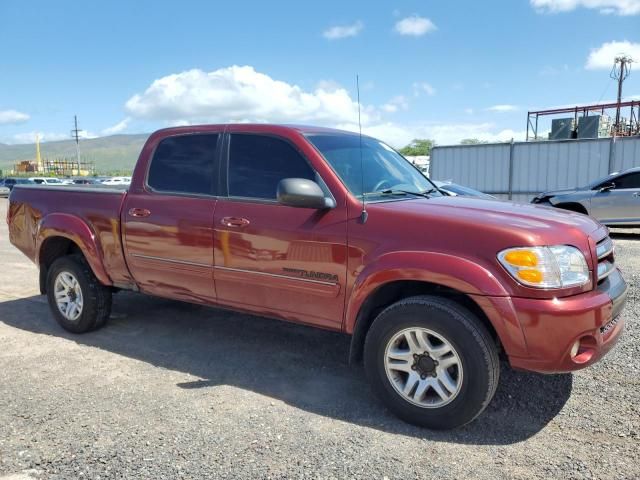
(475, 348)
(96, 297)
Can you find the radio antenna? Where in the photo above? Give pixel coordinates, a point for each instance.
(363, 214)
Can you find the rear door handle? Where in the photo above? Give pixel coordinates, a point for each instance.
(235, 222)
(139, 212)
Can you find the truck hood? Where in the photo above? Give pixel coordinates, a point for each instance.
(477, 230)
(539, 224)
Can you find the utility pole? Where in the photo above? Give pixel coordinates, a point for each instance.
(75, 133)
(620, 71)
(38, 157)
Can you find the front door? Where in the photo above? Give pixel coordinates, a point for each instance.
(168, 224)
(620, 205)
(270, 258)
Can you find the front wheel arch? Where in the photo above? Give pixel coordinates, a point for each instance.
(392, 292)
(476, 370)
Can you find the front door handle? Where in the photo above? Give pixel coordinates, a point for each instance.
(234, 222)
(139, 212)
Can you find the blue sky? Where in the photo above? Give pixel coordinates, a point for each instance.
(444, 70)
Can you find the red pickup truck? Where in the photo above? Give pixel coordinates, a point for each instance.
(331, 229)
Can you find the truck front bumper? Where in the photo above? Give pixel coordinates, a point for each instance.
(571, 333)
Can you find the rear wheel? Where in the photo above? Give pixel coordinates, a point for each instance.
(77, 300)
(432, 362)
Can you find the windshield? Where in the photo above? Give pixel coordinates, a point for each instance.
(385, 171)
(53, 180)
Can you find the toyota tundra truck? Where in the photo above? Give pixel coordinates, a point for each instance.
(338, 231)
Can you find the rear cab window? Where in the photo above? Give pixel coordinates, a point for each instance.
(185, 164)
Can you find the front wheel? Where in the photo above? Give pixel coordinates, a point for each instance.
(78, 301)
(432, 362)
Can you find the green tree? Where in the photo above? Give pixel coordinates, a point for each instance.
(418, 147)
(472, 141)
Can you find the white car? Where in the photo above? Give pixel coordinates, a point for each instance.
(117, 181)
(47, 181)
(4, 191)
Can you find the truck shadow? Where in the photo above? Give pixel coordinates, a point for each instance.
(302, 366)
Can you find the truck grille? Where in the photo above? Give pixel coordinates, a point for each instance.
(605, 253)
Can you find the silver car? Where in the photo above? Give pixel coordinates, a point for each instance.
(613, 200)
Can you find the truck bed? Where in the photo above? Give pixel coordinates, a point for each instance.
(31, 207)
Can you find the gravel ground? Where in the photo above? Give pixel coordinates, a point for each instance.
(170, 390)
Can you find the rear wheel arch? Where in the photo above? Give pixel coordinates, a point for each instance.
(78, 301)
(55, 245)
(51, 249)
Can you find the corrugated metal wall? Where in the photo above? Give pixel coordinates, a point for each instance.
(485, 167)
(521, 170)
(627, 153)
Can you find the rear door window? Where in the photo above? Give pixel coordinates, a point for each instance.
(257, 163)
(184, 164)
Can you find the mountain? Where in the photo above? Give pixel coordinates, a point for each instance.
(116, 153)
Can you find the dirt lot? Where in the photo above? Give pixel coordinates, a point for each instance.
(170, 390)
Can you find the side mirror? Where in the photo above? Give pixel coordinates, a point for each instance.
(606, 187)
(302, 193)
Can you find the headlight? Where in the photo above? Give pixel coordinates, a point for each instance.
(559, 266)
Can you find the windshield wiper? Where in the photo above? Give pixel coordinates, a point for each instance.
(393, 191)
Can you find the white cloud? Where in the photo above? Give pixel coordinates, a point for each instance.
(398, 102)
(618, 7)
(414, 26)
(604, 55)
(503, 108)
(240, 94)
(399, 135)
(117, 128)
(30, 137)
(423, 87)
(468, 111)
(235, 93)
(12, 116)
(343, 31)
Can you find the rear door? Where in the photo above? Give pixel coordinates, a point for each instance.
(271, 258)
(620, 205)
(167, 226)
